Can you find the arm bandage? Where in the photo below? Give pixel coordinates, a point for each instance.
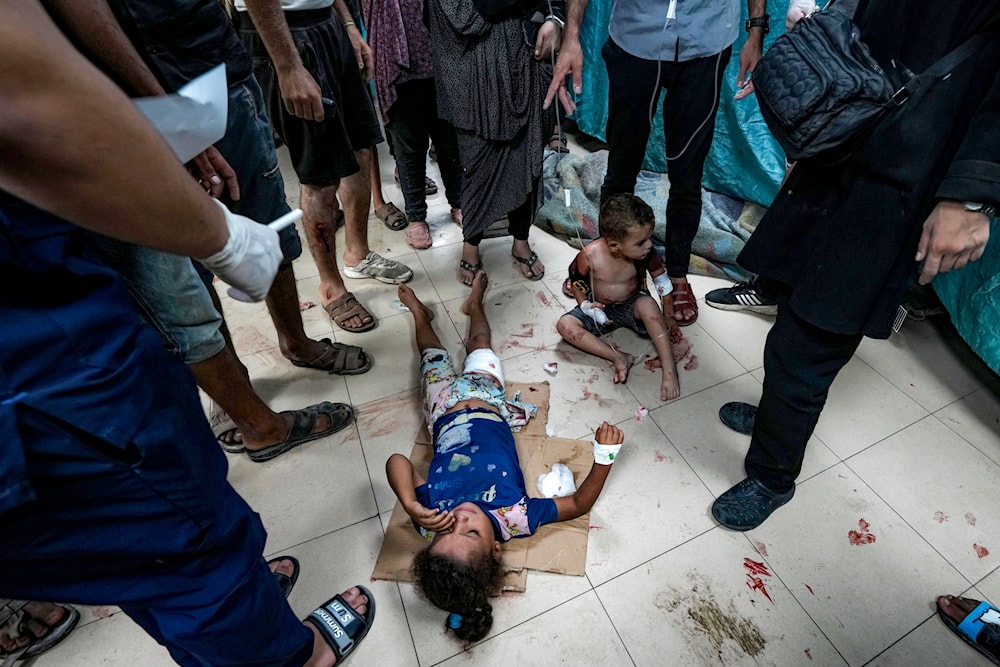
(605, 455)
(663, 284)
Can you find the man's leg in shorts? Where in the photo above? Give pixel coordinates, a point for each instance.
(249, 146)
(173, 298)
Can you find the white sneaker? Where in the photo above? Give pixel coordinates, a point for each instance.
(381, 269)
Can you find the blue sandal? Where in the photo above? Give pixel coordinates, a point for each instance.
(980, 629)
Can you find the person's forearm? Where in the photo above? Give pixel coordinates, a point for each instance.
(269, 20)
(399, 471)
(344, 12)
(575, 9)
(756, 8)
(586, 494)
(74, 145)
(94, 26)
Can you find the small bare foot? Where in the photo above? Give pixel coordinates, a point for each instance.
(669, 386)
(456, 216)
(623, 364)
(475, 298)
(409, 299)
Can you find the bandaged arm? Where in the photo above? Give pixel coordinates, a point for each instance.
(586, 495)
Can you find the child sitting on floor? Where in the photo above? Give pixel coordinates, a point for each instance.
(475, 496)
(608, 279)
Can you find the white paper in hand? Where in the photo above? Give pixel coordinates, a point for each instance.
(192, 119)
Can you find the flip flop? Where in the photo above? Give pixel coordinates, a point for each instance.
(980, 629)
(346, 306)
(471, 268)
(392, 217)
(559, 139)
(341, 626)
(340, 359)
(303, 422)
(286, 582)
(530, 263)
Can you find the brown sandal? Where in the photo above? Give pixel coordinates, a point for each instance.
(339, 359)
(683, 299)
(344, 308)
(392, 217)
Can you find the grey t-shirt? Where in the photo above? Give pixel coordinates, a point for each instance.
(674, 29)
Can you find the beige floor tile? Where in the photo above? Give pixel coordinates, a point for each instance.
(652, 493)
(862, 408)
(388, 426)
(977, 419)
(712, 601)
(574, 633)
(333, 563)
(857, 568)
(114, 641)
(714, 451)
(926, 362)
(742, 334)
(936, 481)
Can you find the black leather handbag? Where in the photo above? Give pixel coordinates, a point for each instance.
(821, 92)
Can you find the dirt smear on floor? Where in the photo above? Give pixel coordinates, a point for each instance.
(717, 635)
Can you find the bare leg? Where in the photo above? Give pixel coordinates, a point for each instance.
(426, 337)
(319, 209)
(378, 197)
(356, 194)
(470, 254)
(283, 305)
(479, 337)
(649, 312)
(574, 333)
(227, 382)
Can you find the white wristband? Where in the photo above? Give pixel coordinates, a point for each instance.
(605, 455)
(663, 284)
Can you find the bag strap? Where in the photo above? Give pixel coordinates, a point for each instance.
(948, 62)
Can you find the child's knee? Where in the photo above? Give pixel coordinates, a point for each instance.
(570, 328)
(646, 309)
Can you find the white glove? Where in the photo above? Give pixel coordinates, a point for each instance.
(798, 10)
(595, 313)
(250, 259)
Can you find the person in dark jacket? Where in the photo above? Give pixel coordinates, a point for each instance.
(840, 244)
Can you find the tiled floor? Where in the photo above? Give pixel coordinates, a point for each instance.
(907, 452)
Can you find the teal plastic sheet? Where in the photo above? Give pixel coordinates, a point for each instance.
(745, 162)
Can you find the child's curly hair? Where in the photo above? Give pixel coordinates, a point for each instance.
(461, 589)
(622, 213)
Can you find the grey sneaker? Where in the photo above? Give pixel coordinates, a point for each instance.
(742, 296)
(381, 269)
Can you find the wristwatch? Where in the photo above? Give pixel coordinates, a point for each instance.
(760, 22)
(988, 209)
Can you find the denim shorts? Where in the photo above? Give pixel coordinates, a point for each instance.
(170, 295)
(248, 146)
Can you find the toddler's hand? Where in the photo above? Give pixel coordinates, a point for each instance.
(595, 310)
(429, 519)
(609, 435)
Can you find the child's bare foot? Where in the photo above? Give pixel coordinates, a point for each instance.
(669, 387)
(409, 299)
(623, 364)
(456, 216)
(475, 298)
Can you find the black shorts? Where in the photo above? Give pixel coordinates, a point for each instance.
(323, 152)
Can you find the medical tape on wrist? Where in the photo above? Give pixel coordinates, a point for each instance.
(605, 455)
(663, 284)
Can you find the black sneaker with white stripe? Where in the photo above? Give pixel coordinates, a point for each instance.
(742, 296)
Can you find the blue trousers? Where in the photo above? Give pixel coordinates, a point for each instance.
(154, 528)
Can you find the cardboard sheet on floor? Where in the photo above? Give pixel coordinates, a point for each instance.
(556, 547)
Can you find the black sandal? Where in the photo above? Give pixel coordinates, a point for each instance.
(471, 268)
(341, 626)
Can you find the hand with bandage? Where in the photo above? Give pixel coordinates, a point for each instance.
(595, 311)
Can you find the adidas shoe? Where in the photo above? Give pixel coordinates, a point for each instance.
(742, 296)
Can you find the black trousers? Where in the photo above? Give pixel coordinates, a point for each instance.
(413, 122)
(692, 99)
(800, 363)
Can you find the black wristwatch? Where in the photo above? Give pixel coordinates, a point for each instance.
(986, 209)
(760, 22)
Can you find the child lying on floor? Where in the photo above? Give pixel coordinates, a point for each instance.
(475, 496)
(608, 280)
